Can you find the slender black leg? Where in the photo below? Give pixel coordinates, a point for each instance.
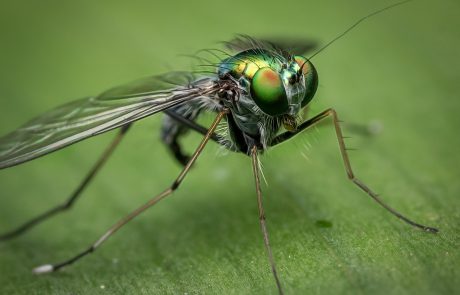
(177, 127)
(191, 124)
(70, 201)
(263, 226)
(53, 267)
(331, 113)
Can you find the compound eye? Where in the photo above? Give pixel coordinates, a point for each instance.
(310, 76)
(268, 92)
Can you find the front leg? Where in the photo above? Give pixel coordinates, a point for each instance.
(332, 113)
(122, 222)
(263, 226)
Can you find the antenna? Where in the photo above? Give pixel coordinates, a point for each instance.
(356, 24)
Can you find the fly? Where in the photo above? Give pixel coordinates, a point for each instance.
(258, 93)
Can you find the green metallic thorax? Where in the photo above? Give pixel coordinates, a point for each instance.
(245, 64)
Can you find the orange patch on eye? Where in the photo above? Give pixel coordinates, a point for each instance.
(303, 64)
(305, 68)
(271, 77)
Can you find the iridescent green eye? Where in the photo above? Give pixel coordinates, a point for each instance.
(268, 92)
(311, 78)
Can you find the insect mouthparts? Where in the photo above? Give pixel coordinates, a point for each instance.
(289, 123)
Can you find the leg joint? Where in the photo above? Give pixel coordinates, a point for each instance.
(175, 185)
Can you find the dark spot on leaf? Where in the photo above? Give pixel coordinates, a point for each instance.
(323, 223)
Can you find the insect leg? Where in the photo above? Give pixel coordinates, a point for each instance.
(71, 200)
(191, 124)
(255, 168)
(53, 267)
(170, 135)
(172, 130)
(332, 113)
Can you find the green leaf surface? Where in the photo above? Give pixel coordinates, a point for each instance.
(398, 71)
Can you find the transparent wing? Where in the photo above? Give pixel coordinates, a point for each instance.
(295, 46)
(87, 117)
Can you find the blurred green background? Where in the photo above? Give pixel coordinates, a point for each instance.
(399, 69)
